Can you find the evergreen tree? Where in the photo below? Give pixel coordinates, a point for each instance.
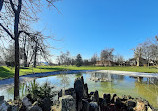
(78, 60)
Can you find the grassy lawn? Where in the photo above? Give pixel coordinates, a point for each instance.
(7, 72)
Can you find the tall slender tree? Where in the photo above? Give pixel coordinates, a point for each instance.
(94, 59)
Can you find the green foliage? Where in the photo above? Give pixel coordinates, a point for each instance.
(79, 60)
(6, 72)
(33, 89)
(40, 92)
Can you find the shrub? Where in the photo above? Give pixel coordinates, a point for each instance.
(40, 92)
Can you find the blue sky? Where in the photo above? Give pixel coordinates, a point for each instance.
(89, 26)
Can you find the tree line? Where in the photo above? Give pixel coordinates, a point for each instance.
(147, 50)
(105, 55)
(29, 51)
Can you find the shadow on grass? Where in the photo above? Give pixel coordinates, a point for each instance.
(24, 67)
(5, 73)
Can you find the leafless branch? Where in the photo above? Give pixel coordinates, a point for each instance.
(6, 30)
(12, 5)
(51, 3)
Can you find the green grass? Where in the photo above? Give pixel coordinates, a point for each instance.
(8, 72)
(5, 72)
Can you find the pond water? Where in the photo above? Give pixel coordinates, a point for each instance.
(146, 88)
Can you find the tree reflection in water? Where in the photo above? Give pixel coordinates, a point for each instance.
(102, 77)
(10, 91)
(147, 87)
(106, 77)
(64, 79)
(121, 84)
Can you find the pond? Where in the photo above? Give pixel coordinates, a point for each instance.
(146, 88)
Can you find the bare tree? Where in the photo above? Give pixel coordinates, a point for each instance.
(72, 61)
(26, 51)
(138, 54)
(64, 58)
(86, 62)
(119, 59)
(147, 51)
(15, 14)
(155, 50)
(9, 56)
(150, 51)
(58, 60)
(107, 54)
(94, 59)
(40, 48)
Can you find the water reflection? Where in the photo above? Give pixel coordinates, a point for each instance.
(9, 93)
(146, 80)
(122, 85)
(64, 80)
(106, 77)
(154, 81)
(147, 90)
(78, 75)
(102, 77)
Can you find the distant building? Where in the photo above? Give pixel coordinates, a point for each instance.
(134, 62)
(105, 63)
(43, 63)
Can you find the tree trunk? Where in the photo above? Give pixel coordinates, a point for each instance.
(148, 63)
(25, 55)
(138, 61)
(31, 59)
(16, 38)
(17, 65)
(25, 60)
(1, 4)
(35, 56)
(16, 77)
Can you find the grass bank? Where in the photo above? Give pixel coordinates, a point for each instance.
(8, 72)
